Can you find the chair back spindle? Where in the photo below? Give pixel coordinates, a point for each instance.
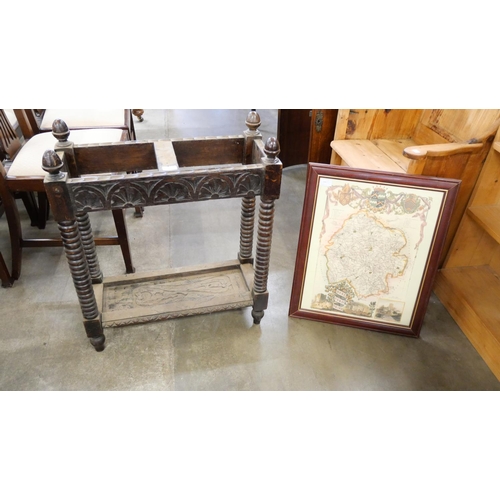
(9, 142)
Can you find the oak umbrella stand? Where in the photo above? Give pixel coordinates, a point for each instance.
(171, 171)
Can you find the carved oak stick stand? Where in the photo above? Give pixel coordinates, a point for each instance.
(126, 299)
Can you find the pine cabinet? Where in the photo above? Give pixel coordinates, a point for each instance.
(469, 282)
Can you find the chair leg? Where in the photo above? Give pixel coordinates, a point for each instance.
(30, 204)
(121, 230)
(43, 209)
(131, 131)
(4, 274)
(139, 211)
(15, 232)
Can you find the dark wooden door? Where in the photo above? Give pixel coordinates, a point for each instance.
(305, 135)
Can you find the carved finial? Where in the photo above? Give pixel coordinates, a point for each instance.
(52, 163)
(253, 120)
(60, 130)
(272, 148)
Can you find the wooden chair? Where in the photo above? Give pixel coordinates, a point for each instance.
(10, 145)
(11, 116)
(432, 142)
(35, 121)
(184, 171)
(26, 174)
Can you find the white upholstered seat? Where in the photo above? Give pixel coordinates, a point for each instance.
(28, 161)
(26, 175)
(84, 118)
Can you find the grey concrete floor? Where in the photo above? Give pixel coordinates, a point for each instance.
(43, 345)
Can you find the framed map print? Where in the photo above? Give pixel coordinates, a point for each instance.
(369, 247)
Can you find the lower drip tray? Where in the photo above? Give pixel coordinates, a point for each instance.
(140, 298)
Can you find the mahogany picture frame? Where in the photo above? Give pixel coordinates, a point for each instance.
(369, 247)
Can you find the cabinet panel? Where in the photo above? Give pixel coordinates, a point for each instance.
(294, 129)
(305, 135)
(488, 218)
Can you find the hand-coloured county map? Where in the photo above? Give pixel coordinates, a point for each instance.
(366, 243)
(366, 263)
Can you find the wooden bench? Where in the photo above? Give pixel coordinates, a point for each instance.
(432, 142)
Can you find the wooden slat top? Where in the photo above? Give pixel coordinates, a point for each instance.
(365, 154)
(394, 150)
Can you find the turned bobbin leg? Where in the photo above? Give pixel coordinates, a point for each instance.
(79, 268)
(262, 258)
(248, 202)
(270, 193)
(247, 229)
(89, 246)
(80, 251)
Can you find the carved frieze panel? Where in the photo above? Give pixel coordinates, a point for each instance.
(126, 192)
